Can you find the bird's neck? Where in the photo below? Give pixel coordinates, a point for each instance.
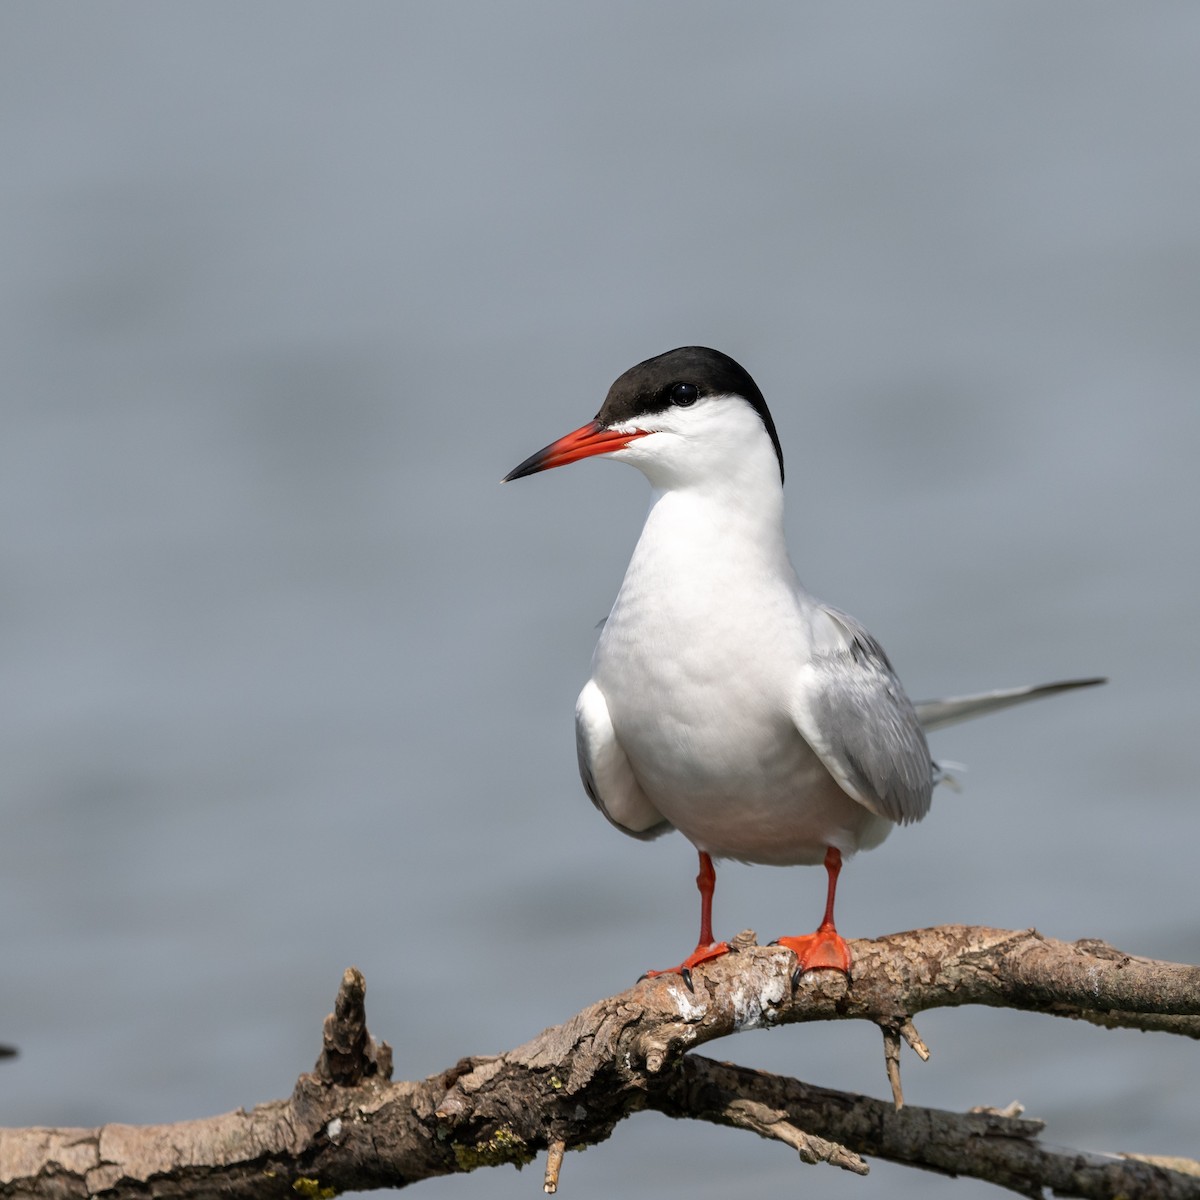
(714, 532)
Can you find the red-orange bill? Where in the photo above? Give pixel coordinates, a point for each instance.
(589, 439)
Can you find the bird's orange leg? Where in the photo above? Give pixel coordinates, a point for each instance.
(706, 948)
(826, 948)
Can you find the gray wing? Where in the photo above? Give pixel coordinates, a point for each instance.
(933, 714)
(606, 772)
(851, 709)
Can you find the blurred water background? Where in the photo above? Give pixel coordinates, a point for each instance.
(287, 679)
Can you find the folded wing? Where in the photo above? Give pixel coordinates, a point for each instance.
(851, 709)
(605, 770)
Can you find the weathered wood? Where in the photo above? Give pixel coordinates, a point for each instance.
(347, 1126)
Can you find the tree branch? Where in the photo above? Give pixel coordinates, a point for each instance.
(346, 1126)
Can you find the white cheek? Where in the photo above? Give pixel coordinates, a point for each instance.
(702, 441)
(656, 450)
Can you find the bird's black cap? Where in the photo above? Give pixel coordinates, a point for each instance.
(649, 387)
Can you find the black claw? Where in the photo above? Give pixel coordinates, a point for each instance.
(687, 978)
(798, 974)
(643, 975)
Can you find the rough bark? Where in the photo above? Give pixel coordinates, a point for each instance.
(347, 1126)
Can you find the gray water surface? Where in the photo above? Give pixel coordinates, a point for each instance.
(287, 678)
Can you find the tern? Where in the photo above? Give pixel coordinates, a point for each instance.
(725, 701)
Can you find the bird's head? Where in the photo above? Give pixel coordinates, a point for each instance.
(684, 418)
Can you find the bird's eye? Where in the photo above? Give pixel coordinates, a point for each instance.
(684, 394)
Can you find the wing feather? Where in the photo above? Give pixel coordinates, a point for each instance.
(606, 772)
(851, 709)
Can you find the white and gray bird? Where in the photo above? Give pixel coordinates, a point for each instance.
(725, 701)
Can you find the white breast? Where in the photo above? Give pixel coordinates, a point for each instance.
(697, 662)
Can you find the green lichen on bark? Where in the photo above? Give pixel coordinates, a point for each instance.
(311, 1189)
(504, 1146)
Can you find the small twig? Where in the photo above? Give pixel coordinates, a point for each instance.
(554, 1158)
(892, 1033)
(1011, 1110)
(348, 1052)
(891, 1061)
(773, 1123)
(909, 1033)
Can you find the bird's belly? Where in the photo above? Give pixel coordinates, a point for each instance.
(747, 787)
(699, 699)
